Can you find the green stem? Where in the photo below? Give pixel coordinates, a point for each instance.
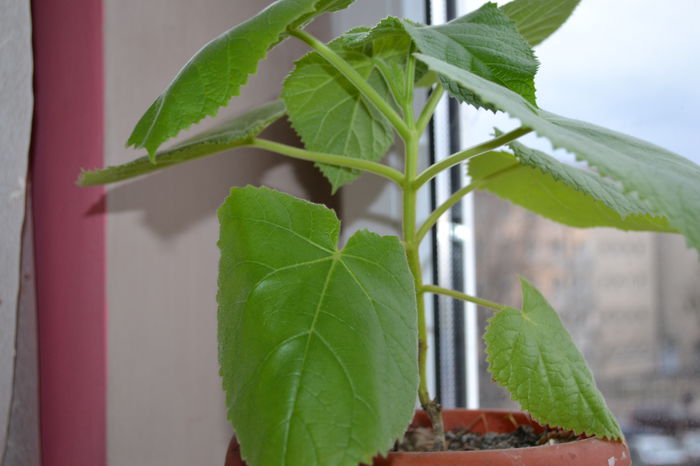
(409, 193)
(455, 198)
(414, 265)
(431, 407)
(356, 79)
(429, 108)
(338, 160)
(409, 231)
(463, 296)
(454, 159)
(143, 165)
(437, 213)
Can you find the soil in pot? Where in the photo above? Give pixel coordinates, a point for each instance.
(489, 425)
(465, 439)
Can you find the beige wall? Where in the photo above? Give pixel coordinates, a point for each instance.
(165, 404)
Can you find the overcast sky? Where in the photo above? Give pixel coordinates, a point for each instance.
(630, 65)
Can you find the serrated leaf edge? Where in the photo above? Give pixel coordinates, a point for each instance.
(601, 170)
(525, 406)
(151, 148)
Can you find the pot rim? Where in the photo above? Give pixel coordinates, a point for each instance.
(561, 453)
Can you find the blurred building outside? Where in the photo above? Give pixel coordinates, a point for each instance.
(630, 300)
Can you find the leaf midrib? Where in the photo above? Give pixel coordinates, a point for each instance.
(310, 334)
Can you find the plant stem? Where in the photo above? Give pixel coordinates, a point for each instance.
(437, 213)
(414, 265)
(356, 79)
(409, 193)
(455, 198)
(454, 159)
(431, 407)
(338, 160)
(463, 296)
(409, 232)
(429, 108)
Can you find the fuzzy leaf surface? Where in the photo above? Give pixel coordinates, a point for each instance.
(317, 345)
(560, 192)
(216, 73)
(538, 19)
(235, 132)
(390, 43)
(668, 183)
(331, 115)
(532, 355)
(485, 42)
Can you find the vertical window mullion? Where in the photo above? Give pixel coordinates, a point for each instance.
(455, 323)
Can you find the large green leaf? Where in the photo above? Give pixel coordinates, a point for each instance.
(531, 354)
(668, 183)
(236, 132)
(317, 345)
(538, 19)
(485, 42)
(561, 192)
(216, 73)
(329, 113)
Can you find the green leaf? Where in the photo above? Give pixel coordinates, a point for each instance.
(390, 43)
(536, 20)
(667, 182)
(236, 132)
(485, 42)
(330, 114)
(216, 73)
(532, 355)
(317, 345)
(560, 192)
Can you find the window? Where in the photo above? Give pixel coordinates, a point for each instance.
(630, 300)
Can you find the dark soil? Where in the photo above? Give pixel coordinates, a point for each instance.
(462, 439)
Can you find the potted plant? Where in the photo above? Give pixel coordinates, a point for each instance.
(323, 346)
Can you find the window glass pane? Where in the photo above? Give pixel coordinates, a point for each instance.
(630, 300)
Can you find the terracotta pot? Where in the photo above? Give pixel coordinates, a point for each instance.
(587, 452)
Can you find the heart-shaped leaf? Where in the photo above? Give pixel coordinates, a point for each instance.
(532, 355)
(331, 115)
(318, 346)
(561, 192)
(666, 182)
(217, 72)
(236, 132)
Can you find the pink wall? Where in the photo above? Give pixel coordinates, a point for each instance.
(69, 231)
